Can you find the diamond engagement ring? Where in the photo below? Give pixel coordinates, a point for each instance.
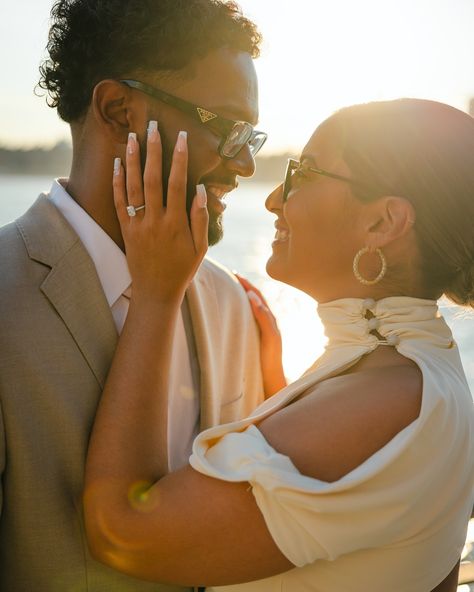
(132, 210)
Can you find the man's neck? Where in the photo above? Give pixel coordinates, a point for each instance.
(92, 190)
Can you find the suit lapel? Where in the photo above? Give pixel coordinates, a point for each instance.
(74, 290)
(72, 286)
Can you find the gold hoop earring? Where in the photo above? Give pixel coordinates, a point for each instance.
(355, 267)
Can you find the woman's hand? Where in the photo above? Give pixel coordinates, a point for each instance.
(164, 249)
(270, 340)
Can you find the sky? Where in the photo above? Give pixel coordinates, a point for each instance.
(317, 56)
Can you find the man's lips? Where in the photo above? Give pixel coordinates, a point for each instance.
(217, 192)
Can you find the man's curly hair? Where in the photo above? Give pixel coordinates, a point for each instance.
(90, 40)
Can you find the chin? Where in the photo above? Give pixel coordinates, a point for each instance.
(277, 271)
(273, 269)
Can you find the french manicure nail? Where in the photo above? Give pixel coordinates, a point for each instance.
(117, 165)
(182, 141)
(201, 195)
(254, 298)
(132, 142)
(152, 131)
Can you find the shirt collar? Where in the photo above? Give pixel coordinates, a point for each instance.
(109, 260)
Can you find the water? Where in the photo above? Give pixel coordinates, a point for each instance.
(249, 232)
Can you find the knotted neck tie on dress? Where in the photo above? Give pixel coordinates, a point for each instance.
(356, 327)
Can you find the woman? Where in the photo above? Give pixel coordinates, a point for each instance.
(361, 473)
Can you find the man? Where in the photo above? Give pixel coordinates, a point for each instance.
(115, 65)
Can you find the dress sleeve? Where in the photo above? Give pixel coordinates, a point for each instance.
(311, 519)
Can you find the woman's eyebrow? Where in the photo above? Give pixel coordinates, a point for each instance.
(306, 158)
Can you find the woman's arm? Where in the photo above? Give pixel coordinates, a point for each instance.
(142, 359)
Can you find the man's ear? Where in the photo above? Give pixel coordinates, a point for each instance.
(389, 219)
(117, 111)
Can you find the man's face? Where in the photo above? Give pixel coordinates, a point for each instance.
(225, 83)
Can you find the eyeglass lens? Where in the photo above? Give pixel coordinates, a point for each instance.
(236, 139)
(242, 133)
(291, 167)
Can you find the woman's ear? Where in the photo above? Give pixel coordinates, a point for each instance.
(389, 219)
(117, 111)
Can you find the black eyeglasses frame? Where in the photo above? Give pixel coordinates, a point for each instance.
(294, 165)
(223, 126)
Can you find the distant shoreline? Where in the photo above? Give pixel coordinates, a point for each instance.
(36, 161)
(57, 161)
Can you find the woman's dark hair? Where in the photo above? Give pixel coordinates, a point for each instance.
(423, 151)
(90, 40)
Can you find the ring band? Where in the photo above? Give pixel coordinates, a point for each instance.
(132, 210)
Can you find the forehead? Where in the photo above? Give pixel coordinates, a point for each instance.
(224, 81)
(324, 147)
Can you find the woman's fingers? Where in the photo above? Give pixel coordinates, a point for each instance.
(270, 345)
(152, 176)
(200, 220)
(134, 172)
(263, 315)
(177, 182)
(120, 193)
(248, 286)
(148, 190)
(164, 246)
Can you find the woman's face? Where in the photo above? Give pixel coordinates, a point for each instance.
(318, 226)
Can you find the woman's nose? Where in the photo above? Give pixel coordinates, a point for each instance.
(275, 200)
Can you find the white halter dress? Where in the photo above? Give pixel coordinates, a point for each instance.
(398, 521)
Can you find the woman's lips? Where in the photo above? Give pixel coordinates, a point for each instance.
(282, 234)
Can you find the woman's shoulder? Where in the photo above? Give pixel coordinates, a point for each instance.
(341, 422)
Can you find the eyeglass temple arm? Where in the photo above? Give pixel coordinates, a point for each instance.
(332, 175)
(185, 106)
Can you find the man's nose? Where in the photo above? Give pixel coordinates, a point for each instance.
(274, 201)
(243, 163)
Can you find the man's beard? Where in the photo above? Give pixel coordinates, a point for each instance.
(216, 228)
(215, 231)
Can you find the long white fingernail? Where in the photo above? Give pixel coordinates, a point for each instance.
(132, 142)
(117, 165)
(182, 141)
(254, 298)
(201, 196)
(152, 131)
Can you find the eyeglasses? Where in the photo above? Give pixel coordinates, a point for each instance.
(234, 134)
(295, 167)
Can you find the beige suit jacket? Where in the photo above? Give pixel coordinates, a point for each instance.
(57, 339)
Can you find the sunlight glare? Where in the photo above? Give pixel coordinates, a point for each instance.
(301, 329)
(318, 57)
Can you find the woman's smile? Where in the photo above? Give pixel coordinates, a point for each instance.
(282, 233)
